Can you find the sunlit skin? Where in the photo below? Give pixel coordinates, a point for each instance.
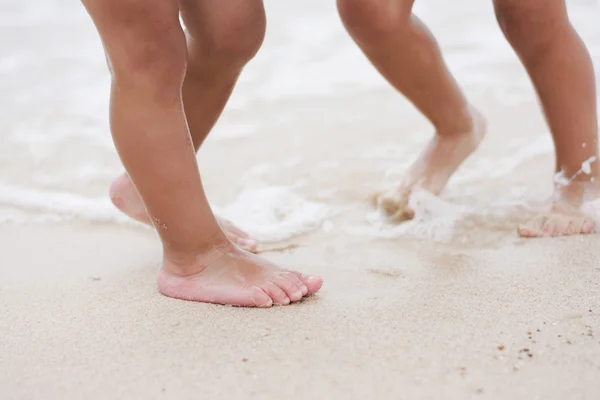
(403, 50)
(168, 89)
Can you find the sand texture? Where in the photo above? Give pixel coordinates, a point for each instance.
(452, 305)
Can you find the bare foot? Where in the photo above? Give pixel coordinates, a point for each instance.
(431, 172)
(565, 216)
(231, 276)
(126, 198)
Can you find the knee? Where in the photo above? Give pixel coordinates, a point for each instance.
(158, 55)
(530, 25)
(367, 17)
(145, 47)
(227, 45)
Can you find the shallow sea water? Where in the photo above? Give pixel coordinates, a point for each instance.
(309, 94)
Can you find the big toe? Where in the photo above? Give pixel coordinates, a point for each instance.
(532, 228)
(253, 296)
(260, 298)
(313, 283)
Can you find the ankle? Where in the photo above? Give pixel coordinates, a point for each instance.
(586, 172)
(575, 191)
(458, 124)
(186, 263)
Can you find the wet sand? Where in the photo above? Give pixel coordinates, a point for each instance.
(452, 305)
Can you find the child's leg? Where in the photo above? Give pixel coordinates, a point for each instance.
(216, 58)
(406, 54)
(147, 51)
(562, 73)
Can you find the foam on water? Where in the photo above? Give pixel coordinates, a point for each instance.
(434, 220)
(444, 220)
(55, 92)
(275, 213)
(269, 214)
(52, 203)
(497, 168)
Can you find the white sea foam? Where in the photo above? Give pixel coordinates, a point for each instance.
(54, 86)
(495, 168)
(54, 203)
(435, 220)
(275, 213)
(269, 214)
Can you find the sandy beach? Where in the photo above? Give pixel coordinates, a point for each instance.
(451, 305)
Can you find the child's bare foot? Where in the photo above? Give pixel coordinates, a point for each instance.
(126, 198)
(229, 275)
(565, 216)
(431, 172)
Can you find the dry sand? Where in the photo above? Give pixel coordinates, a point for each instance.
(81, 319)
(452, 306)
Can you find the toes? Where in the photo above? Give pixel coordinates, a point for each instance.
(543, 227)
(290, 276)
(292, 291)
(313, 283)
(556, 225)
(260, 298)
(530, 230)
(582, 227)
(562, 226)
(189, 290)
(525, 231)
(536, 228)
(571, 229)
(588, 227)
(275, 292)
